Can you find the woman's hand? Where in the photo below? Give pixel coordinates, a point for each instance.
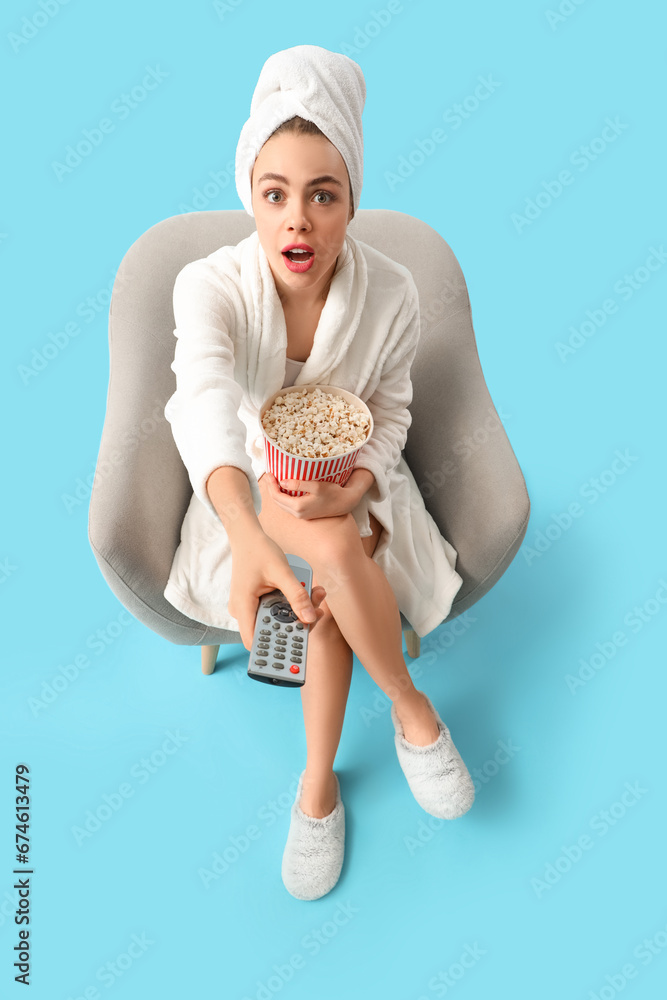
(321, 500)
(259, 566)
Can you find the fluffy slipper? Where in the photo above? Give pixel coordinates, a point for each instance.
(437, 776)
(313, 856)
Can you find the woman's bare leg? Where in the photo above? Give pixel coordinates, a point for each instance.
(324, 695)
(323, 699)
(360, 600)
(365, 608)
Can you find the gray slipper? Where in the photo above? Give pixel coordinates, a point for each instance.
(315, 848)
(437, 776)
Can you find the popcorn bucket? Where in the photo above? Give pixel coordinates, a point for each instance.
(336, 469)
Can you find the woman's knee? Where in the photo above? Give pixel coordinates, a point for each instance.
(330, 545)
(334, 551)
(337, 539)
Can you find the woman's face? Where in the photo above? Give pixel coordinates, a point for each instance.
(308, 203)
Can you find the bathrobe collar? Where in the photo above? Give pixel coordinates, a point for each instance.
(338, 323)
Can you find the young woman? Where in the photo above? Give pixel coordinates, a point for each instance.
(249, 320)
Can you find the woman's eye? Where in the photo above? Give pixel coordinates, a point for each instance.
(327, 194)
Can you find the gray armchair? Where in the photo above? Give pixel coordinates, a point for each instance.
(457, 448)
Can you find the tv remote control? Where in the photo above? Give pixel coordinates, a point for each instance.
(280, 639)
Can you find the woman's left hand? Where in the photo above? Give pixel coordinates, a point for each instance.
(321, 500)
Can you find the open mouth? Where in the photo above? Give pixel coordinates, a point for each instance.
(298, 261)
(298, 256)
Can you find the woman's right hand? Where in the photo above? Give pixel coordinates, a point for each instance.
(259, 566)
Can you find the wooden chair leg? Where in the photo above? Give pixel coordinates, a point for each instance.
(209, 655)
(412, 643)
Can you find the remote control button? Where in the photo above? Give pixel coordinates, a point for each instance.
(276, 625)
(282, 635)
(260, 663)
(296, 659)
(299, 625)
(266, 618)
(289, 628)
(283, 612)
(265, 631)
(278, 666)
(279, 656)
(294, 670)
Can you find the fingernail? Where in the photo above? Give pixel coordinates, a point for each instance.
(310, 616)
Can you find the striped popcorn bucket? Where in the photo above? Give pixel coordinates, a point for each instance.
(337, 469)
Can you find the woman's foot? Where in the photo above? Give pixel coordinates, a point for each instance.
(318, 796)
(417, 719)
(315, 848)
(437, 776)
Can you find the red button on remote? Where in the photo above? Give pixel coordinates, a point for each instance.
(294, 669)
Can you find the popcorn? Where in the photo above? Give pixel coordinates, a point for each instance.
(311, 423)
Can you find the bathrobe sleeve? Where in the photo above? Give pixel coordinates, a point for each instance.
(203, 411)
(391, 398)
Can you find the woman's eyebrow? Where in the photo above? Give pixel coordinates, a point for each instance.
(324, 179)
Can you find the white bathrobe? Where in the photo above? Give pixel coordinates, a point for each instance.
(230, 357)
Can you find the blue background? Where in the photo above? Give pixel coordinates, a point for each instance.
(415, 894)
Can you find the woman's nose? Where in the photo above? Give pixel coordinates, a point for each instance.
(298, 217)
(299, 223)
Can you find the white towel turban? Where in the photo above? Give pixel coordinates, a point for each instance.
(324, 87)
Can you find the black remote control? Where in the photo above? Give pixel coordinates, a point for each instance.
(280, 639)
